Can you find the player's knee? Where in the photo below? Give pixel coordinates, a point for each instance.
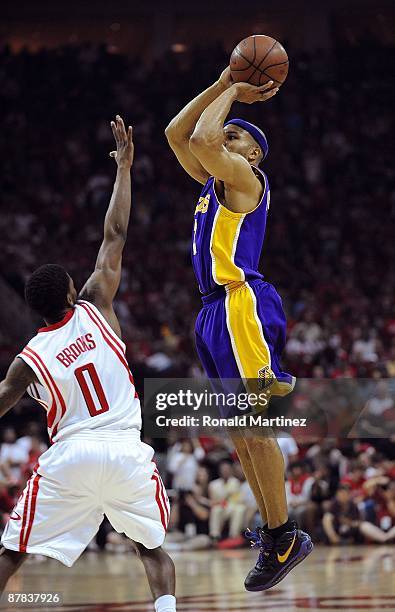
(139, 549)
(259, 443)
(151, 553)
(13, 557)
(240, 445)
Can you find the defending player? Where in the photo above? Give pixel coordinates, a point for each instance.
(240, 331)
(76, 367)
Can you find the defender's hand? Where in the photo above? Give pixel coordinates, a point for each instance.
(226, 78)
(250, 93)
(125, 148)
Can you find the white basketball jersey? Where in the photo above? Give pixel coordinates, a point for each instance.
(85, 380)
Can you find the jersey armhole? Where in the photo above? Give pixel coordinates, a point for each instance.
(29, 361)
(103, 321)
(236, 215)
(33, 389)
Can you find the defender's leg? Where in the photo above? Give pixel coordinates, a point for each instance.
(160, 571)
(10, 562)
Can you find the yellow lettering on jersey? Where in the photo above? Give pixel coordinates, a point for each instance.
(202, 205)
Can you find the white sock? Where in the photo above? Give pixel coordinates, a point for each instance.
(165, 603)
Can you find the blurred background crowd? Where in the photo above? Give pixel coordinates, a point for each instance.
(329, 250)
(341, 491)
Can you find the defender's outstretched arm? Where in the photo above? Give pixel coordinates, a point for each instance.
(103, 284)
(180, 129)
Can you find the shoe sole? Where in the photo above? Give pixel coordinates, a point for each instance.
(305, 549)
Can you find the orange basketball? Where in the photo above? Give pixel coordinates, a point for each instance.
(259, 59)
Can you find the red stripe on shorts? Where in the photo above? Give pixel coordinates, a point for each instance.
(32, 511)
(159, 501)
(24, 518)
(164, 496)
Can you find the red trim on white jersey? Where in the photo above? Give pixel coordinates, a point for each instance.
(36, 395)
(52, 411)
(43, 404)
(108, 339)
(58, 393)
(106, 325)
(59, 324)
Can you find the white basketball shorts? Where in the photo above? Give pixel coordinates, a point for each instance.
(79, 480)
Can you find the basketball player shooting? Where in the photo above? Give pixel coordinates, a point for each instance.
(76, 368)
(240, 331)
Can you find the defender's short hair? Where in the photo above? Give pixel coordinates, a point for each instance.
(46, 290)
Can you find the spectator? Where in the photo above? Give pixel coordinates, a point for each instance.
(355, 480)
(377, 418)
(12, 456)
(320, 493)
(194, 505)
(298, 490)
(342, 522)
(288, 447)
(364, 346)
(247, 499)
(224, 495)
(31, 437)
(183, 463)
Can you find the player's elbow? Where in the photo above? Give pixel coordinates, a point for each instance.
(174, 135)
(170, 133)
(116, 233)
(198, 139)
(8, 397)
(202, 141)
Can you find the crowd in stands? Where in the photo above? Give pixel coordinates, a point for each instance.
(329, 250)
(341, 491)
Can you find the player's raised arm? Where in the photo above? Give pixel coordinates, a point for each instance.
(207, 140)
(103, 284)
(17, 380)
(180, 129)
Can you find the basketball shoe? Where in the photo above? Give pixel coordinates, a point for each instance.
(276, 557)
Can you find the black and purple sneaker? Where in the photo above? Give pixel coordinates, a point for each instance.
(276, 557)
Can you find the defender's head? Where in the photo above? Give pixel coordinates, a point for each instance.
(246, 139)
(50, 292)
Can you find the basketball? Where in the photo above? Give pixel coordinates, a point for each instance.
(259, 59)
